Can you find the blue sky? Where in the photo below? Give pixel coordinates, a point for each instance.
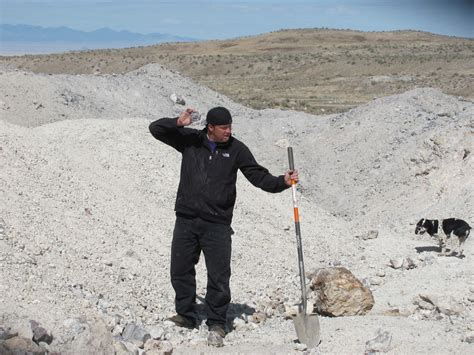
(229, 19)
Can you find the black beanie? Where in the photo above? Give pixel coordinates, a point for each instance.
(219, 116)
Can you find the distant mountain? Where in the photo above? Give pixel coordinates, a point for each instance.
(27, 33)
(26, 39)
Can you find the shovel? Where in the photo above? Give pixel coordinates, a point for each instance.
(306, 325)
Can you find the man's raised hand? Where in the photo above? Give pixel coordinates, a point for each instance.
(185, 119)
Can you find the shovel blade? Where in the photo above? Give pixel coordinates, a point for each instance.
(307, 329)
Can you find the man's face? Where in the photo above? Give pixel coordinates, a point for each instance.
(219, 133)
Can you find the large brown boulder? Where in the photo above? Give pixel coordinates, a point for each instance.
(337, 292)
(20, 345)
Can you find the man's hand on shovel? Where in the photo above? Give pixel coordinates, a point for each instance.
(291, 177)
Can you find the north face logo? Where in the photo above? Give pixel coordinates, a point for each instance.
(226, 155)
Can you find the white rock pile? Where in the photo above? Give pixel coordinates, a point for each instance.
(86, 217)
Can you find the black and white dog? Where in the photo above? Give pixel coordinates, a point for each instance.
(444, 229)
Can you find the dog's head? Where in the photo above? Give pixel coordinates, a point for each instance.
(421, 226)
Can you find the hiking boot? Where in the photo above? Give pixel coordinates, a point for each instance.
(182, 321)
(216, 336)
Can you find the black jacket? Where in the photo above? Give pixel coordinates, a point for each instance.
(207, 183)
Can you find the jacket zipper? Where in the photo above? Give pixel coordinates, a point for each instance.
(215, 154)
(209, 164)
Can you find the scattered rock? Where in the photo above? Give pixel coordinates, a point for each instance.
(290, 311)
(156, 332)
(442, 114)
(128, 348)
(239, 324)
(408, 264)
(377, 281)
(382, 343)
(371, 234)
(158, 347)
(282, 143)
(300, 346)
(20, 345)
(108, 262)
(428, 259)
(270, 310)
(95, 338)
(402, 263)
(198, 341)
(74, 325)
(196, 117)
(121, 349)
(259, 317)
(152, 344)
(40, 334)
(6, 334)
(4, 106)
(2, 228)
(177, 99)
(135, 335)
(424, 305)
(45, 346)
(393, 312)
(118, 329)
(408, 310)
(446, 305)
(366, 282)
(339, 293)
(468, 337)
(396, 263)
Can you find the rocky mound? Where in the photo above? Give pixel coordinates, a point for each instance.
(35, 99)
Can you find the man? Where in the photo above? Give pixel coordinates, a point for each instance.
(204, 206)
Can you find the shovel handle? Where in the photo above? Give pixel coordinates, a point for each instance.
(290, 158)
(298, 233)
(293, 186)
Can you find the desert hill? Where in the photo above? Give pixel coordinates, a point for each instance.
(312, 70)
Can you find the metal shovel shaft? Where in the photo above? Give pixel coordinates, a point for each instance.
(298, 233)
(306, 325)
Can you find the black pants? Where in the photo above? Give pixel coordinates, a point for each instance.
(190, 236)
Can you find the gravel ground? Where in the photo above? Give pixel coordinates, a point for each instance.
(86, 215)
